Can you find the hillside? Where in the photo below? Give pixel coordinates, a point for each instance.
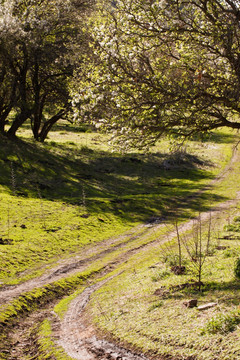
(74, 212)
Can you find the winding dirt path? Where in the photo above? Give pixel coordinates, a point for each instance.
(91, 253)
(76, 264)
(77, 337)
(73, 333)
(79, 340)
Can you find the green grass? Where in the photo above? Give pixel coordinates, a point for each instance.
(46, 347)
(72, 191)
(161, 325)
(33, 299)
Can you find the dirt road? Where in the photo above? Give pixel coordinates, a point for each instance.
(73, 333)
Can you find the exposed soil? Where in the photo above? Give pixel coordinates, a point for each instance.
(78, 338)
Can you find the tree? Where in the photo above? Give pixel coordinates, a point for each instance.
(163, 67)
(41, 43)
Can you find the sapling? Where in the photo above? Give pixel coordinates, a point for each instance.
(41, 207)
(170, 256)
(13, 179)
(84, 197)
(179, 245)
(198, 248)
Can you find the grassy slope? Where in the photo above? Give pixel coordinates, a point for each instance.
(46, 189)
(73, 190)
(161, 325)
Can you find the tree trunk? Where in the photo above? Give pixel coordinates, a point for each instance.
(2, 126)
(49, 124)
(37, 114)
(18, 121)
(25, 111)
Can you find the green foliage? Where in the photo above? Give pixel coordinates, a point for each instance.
(235, 226)
(232, 252)
(155, 306)
(222, 323)
(47, 347)
(170, 259)
(37, 62)
(165, 67)
(163, 274)
(237, 268)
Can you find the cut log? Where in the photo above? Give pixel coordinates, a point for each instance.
(207, 306)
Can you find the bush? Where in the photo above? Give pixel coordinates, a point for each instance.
(237, 268)
(231, 253)
(161, 275)
(235, 226)
(222, 323)
(170, 259)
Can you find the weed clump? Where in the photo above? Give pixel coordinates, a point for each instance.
(222, 323)
(235, 226)
(237, 268)
(163, 274)
(156, 306)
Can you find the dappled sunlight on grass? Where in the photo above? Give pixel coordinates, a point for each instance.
(59, 196)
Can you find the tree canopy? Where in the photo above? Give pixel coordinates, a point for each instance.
(41, 42)
(162, 66)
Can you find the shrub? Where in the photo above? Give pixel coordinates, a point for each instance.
(222, 323)
(170, 259)
(161, 275)
(237, 268)
(231, 253)
(235, 226)
(156, 306)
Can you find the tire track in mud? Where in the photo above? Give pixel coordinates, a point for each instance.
(79, 341)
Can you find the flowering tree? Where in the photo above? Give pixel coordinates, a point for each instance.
(162, 66)
(41, 41)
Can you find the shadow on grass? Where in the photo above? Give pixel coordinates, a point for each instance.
(227, 292)
(132, 186)
(64, 126)
(215, 137)
(233, 285)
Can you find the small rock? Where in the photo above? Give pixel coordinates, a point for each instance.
(221, 247)
(23, 226)
(161, 292)
(190, 303)
(155, 220)
(85, 216)
(207, 306)
(178, 270)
